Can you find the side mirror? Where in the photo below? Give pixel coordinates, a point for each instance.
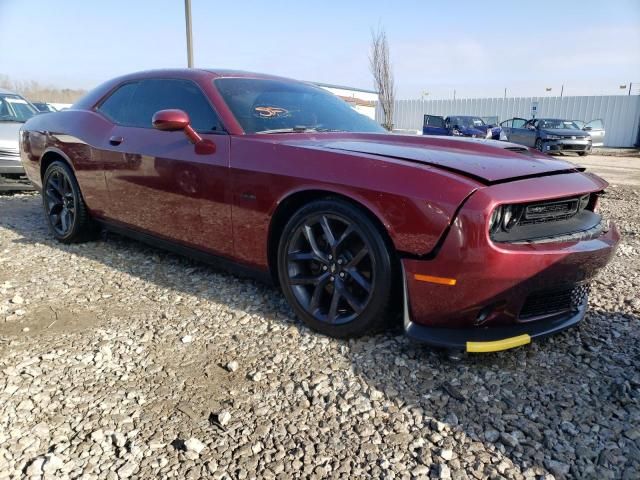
(172, 120)
(531, 127)
(587, 129)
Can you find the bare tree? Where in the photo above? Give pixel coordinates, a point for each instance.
(380, 66)
(37, 92)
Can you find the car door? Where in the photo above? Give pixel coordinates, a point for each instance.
(529, 133)
(514, 129)
(157, 181)
(595, 128)
(434, 125)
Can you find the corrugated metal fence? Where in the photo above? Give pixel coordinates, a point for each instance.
(620, 113)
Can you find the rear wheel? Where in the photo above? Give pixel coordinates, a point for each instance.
(64, 206)
(335, 269)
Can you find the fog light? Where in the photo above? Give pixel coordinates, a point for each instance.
(483, 316)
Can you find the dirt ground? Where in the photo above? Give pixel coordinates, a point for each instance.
(118, 360)
(617, 170)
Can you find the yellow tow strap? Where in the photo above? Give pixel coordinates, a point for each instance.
(498, 345)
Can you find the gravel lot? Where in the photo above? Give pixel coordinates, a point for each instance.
(118, 360)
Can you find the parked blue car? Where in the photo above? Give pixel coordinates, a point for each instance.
(460, 126)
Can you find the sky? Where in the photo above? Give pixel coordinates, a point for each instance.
(477, 48)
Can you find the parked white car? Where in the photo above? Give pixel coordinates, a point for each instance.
(14, 111)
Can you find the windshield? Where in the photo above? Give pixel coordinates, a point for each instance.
(14, 108)
(467, 122)
(273, 106)
(558, 124)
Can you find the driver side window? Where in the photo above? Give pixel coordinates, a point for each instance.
(134, 104)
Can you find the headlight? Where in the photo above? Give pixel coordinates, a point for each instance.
(505, 217)
(584, 201)
(496, 220)
(553, 137)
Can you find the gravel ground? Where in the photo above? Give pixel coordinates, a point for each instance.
(118, 360)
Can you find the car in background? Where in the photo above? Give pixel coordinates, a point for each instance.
(14, 111)
(60, 106)
(595, 129)
(459, 126)
(481, 245)
(44, 107)
(548, 135)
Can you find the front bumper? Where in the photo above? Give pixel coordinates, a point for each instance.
(565, 145)
(475, 290)
(12, 174)
(482, 340)
(11, 166)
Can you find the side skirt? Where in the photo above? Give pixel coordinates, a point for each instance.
(216, 261)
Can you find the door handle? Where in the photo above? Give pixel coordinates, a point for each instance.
(116, 140)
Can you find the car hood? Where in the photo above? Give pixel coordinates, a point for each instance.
(9, 134)
(486, 161)
(565, 132)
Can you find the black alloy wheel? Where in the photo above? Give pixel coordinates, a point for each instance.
(64, 206)
(60, 203)
(539, 144)
(335, 269)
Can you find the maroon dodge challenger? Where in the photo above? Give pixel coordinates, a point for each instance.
(478, 245)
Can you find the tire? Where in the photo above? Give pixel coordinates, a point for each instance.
(539, 144)
(64, 207)
(356, 265)
(583, 154)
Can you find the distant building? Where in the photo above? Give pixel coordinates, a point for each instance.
(363, 101)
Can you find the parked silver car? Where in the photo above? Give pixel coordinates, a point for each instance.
(595, 129)
(14, 111)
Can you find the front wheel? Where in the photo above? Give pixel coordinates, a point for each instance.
(64, 207)
(538, 144)
(335, 269)
(583, 154)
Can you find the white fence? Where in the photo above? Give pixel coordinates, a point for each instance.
(620, 113)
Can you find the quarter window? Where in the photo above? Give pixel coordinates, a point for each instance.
(134, 104)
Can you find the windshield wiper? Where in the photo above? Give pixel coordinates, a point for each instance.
(302, 129)
(299, 129)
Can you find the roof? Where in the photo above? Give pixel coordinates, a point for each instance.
(342, 87)
(4, 90)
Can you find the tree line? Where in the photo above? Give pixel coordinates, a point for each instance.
(37, 92)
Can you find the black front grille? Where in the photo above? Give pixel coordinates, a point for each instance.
(549, 303)
(571, 146)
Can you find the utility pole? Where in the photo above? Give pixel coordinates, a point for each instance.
(505, 92)
(630, 88)
(562, 90)
(187, 17)
(454, 93)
